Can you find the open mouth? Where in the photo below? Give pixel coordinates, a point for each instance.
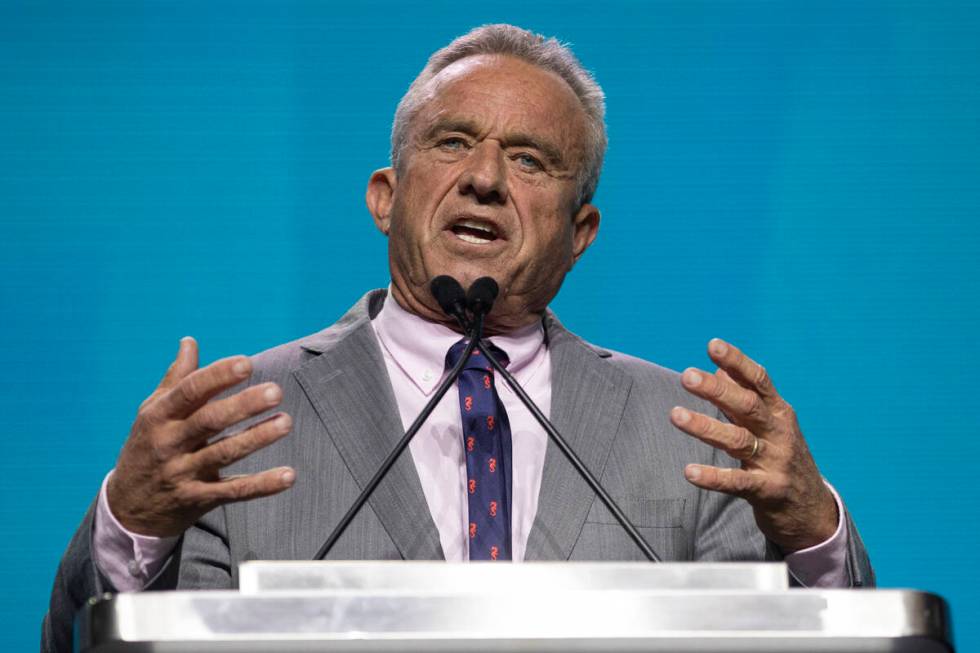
(474, 231)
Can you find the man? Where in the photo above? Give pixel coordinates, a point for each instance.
(496, 152)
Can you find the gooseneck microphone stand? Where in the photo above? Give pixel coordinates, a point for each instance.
(480, 299)
(572, 457)
(406, 439)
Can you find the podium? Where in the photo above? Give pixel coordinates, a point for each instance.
(287, 607)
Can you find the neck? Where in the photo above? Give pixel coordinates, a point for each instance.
(426, 308)
(419, 301)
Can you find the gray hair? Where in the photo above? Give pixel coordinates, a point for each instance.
(545, 53)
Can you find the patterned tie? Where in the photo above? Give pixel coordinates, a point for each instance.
(486, 439)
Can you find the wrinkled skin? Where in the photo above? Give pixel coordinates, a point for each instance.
(167, 475)
(778, 476)
(499, 141)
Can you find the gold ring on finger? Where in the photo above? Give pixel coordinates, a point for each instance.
(755, 449)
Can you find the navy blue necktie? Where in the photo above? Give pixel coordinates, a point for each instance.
(487, 444)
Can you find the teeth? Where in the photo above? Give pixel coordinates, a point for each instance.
(473, 224)
(472, 239)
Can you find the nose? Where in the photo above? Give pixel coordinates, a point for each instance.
(485, 174)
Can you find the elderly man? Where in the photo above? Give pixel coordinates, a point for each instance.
(496, 153)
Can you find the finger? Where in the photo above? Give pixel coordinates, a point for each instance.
(216, 416)
(722, 374)
(736, 441)
(739, 482)
(195, 389)
(741, 405)
(183, 364)
(242, 488)
(235, 447)
(745, 371)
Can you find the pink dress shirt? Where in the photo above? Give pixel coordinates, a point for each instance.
(414, 353)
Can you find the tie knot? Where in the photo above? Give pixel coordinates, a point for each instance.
(477, 360)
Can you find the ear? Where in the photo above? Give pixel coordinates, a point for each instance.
(585, 226)
(379, 195)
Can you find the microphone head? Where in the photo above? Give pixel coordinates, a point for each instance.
(481, 295)
(448, 293)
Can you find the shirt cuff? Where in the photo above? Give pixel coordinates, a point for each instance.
(825, 564)
(128, 560)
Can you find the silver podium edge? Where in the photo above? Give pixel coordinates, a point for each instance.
(400, 616)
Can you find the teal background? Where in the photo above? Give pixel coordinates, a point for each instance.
(801, 179)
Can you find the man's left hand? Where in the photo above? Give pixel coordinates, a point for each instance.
(778, 477)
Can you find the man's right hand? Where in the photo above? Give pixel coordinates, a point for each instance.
(167, 475)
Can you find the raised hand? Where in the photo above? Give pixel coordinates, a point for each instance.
(167, 474)
(778, 476)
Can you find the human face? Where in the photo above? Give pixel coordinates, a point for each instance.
(488, 187)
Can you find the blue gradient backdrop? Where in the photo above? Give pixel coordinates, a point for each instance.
(800, 180)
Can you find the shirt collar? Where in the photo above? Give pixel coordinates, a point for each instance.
(419, 347)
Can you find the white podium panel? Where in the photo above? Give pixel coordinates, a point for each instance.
(490, 577)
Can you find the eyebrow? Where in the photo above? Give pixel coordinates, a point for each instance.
(517, 139)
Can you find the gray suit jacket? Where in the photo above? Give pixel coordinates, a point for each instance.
(612, 409)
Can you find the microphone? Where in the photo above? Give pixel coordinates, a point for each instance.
(451, 291)
(451, 298)
(481, 295)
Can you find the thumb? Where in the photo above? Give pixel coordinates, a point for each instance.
(184, 363)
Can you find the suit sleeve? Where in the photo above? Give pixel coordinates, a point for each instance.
(726, 531)
(77, 579)
(201, 560)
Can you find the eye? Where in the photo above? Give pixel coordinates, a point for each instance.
(528, 162)
(453, 144)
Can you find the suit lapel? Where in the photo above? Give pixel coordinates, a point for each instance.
(349, 388)
(588, 397)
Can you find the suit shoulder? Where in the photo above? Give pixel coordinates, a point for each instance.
(650, 379)
(643, 371)
(640, 366)
(283, 359)
(654, 381)
(637, 368)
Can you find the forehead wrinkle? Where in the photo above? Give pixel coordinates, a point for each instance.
(443, 86)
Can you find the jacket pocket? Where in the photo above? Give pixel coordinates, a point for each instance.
(642, 511)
